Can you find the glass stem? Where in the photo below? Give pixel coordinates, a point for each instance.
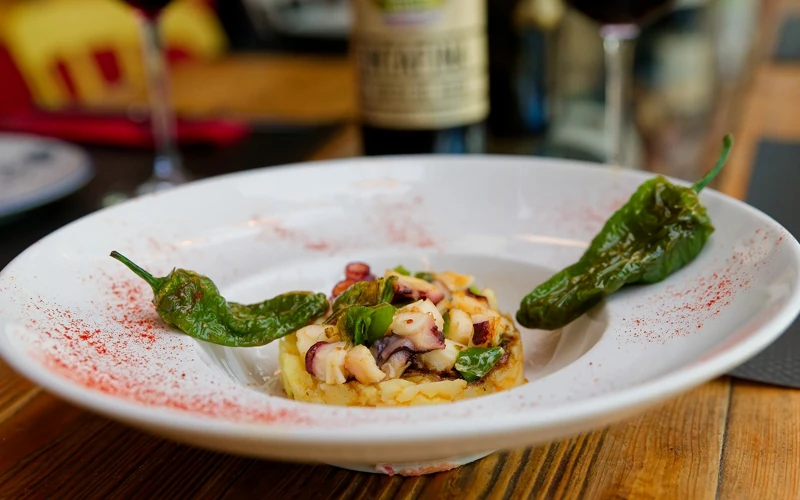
(618, 45)
(167, 165)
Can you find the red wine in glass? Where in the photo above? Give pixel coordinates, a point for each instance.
(150, 8)
(167, 169)
(622, 11)
(620, 21)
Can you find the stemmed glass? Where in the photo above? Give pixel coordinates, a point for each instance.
(621, 21)
(167, 168)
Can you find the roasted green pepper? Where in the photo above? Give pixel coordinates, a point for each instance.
(475, 362)
(192, 303)
(658, 231)
(446, 324)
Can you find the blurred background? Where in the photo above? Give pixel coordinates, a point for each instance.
(255, 83)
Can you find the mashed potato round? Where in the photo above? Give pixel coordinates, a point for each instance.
(413, 388)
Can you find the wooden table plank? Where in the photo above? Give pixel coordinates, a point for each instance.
(177, 471)
(40, 440)
(15, 392)
(59, 450)
(88, 456)
(771, 112)
(344, 144)
(761, 456)
(669, 452)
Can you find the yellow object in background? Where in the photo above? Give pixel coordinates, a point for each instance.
(57, 44)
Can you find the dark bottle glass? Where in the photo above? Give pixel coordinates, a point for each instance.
(422, 75)
(517, 72)
(455, 140)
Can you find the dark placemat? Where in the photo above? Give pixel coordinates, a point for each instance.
(788, 46)
(773, 190)
(122, 169)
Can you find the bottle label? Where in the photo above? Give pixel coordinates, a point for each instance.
(422, 64)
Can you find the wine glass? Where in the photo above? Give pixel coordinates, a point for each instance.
(167, 168)
(621, 22)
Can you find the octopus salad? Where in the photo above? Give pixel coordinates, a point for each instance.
(425, 338)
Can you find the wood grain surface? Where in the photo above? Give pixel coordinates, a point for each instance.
(761, 456)
(274, 87)
(726, 439)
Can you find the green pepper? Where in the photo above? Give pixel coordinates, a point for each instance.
(192, 303)
(475, 362)
(661, 229)
(446, 324)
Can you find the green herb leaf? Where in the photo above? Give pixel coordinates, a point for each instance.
(365, 325)
(475, 362)
(357, 322)
(402, 270)
(430, 278)
(380, 321)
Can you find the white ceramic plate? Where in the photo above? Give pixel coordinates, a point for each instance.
(81, 325)
(35, 170)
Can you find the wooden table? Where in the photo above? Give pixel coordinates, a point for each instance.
(725, 439)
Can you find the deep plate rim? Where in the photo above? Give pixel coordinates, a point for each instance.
(563, 415)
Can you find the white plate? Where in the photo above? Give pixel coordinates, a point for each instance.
(35, 171)
(81, 325)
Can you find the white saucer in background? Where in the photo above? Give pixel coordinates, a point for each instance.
(37, 170)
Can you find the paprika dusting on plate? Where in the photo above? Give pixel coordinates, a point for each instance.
(106, 356)
(682, 310)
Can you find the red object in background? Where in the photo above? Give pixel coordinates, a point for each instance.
(14, 94)
(109, 65)
(118, 130)
(18, 113)
(62, 71)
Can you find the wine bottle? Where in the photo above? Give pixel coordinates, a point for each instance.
(422, 75)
